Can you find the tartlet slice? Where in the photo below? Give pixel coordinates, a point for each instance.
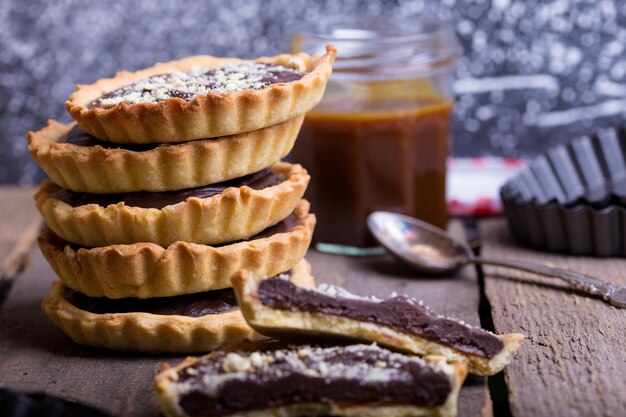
(79, 162)
(183, 324)
(145, 270)
(280, 309)
(173, 108)
(226, 212)
(267, 379)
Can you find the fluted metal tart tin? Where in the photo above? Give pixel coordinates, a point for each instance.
(572, 199)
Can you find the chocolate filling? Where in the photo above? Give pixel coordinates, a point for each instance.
(400, 312)
(146, 199)
(227, 78)
(367, 375)
(191, 305)
(77, 136)
(287, 225)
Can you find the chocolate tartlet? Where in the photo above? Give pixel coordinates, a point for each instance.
(201, 97)
(225, 212)
(145, 270)
(82, 163)
(277, 308)
(197, 322)
(310, 381)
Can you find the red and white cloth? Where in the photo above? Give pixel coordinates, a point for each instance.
(473, 184)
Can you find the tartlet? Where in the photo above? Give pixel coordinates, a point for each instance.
(279, 309)
(234, 214)
(104, 169)
(207, 115)
(145, 270)
(148, 332)
(268, 379)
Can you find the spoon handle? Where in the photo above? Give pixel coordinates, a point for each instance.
(613, 293)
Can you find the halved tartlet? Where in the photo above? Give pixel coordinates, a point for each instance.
(224, 212)
(145, 270)
(266, 379)
(201, 97)
(280, 309)
(182, 324)
(79, 162)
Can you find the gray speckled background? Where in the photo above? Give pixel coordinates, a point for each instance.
(534, 72)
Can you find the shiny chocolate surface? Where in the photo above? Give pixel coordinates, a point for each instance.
(400, 312)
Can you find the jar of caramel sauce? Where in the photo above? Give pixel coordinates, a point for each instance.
(379, 138)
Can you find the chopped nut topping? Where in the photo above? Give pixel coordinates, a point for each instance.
(323, 368)
(304, 352)
(187, 85)
(257, 360)
(234, 362)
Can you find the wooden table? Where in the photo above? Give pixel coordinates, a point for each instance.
(573, 364)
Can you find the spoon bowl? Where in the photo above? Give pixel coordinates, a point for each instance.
(418, 244)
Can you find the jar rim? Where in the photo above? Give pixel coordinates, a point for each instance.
(381, 46)
(376, 25)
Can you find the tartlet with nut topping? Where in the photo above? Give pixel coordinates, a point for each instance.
(201, 97)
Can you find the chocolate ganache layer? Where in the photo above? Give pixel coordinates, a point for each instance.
(225, 383)
(190, 305)
(286, 225)
(77, 136)
(399, 312)
(146, 199)
(187, 85)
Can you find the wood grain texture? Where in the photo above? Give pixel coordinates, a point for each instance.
(574, 363)
(35, 356)
(19, 225)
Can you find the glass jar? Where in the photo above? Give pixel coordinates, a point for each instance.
(378, 140)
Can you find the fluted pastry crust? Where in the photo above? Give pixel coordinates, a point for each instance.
(205, 116)
(145, 332)
(235, 214)
(279, 323)
(95, 169)
(145, 270)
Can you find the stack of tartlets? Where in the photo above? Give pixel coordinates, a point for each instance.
(168, 184)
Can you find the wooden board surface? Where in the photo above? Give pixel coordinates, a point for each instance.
(19, 225)
(35, 356)
(574, 363)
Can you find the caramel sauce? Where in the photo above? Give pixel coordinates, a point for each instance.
(376, 155)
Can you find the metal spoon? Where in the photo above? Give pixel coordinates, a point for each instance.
(432, 251)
